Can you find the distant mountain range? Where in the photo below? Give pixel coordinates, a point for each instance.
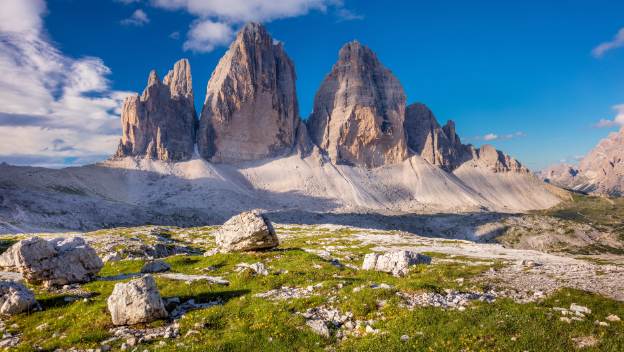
(601, 171)
(362, 149)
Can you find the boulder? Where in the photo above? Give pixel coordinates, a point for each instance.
(247, 231)
(251, 110)
(359, 111)
(15, 298)
(55, 262)
(397, 262)
(160, 124)
(155, 266)
(137, 301)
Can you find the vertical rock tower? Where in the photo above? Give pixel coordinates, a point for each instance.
(160, 124)
(251, 109)
(359, 111)
(438, 145)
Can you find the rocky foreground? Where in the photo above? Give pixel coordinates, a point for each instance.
(250, 284)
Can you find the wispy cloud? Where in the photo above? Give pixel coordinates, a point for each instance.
(603, 48)
(174, 35)
(345, 14)
(216, 21)
(617, 121)
(51, 105)
(138, 18)
(488, 137)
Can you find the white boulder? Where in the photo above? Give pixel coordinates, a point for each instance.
(397, 262)
(246, 231)
(137, 301)
(55, 262)
(15, 298)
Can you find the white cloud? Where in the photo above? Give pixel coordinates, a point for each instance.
(217, 20)
(138, 18)
(174, 35)
(47, 97)
(205, 35)
(617, 121)
(616, 42)
(490, 137)
(496, 137)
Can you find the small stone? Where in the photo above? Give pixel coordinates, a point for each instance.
(579, 309)
(613, 318)
(404, 338)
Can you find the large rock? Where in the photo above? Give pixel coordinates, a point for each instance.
(15, 298)
(160, 124)
(247, 231)
(397, 263)
(251, 109)
(438, 145)
(137, 301)
(359, 111)
(54, 262)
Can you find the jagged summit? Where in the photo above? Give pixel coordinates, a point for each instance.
(251, 113)
(601, 171)
(160, 124)
(359, 111)
(251, 110)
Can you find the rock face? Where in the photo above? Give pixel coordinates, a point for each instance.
(247, 231)
(160, 124)
(137, 301)
(438, 145)
(251, 109)
(54, 263)
(397, 263)
(359, 111)
(15, 298)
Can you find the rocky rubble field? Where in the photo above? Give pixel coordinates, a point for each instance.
(309, 291)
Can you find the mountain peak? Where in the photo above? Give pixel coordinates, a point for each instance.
(359, 111)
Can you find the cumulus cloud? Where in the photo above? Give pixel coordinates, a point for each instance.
(138, 18)
(496, 137)
(616, 42)
(217, 20)
(617, 121)
(51, 106)
(205, 35)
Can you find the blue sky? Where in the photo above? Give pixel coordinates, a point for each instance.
(525, 76)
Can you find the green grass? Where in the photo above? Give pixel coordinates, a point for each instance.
(248, 323)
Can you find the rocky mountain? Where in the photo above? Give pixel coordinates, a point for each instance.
(251, 109)
(601, 171)
(359, 111)
(442, 146)
(372, 155)
(160, 123)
